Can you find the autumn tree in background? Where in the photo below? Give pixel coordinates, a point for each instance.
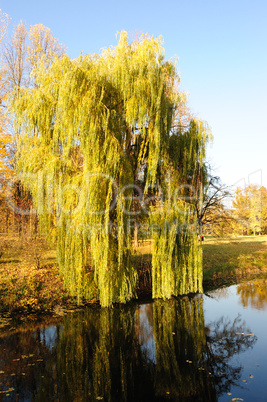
(6, 149)
(210, 205)
(220, 222)
(42, 44)
(15, 59)
(6, 146)
(19, 55)
(23, 51)
(6, 169)
(250, 210)
(263, 191)
(5, 138)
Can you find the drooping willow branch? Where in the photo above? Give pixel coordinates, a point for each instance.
(85, 131)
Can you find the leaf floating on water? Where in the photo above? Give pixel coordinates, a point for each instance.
(7, 391)
(244, 380)
(229, 393)
(236, 399)
(249, 334)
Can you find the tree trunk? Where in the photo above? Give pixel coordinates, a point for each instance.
(135, 234)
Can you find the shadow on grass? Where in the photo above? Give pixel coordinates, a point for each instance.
(7, 261)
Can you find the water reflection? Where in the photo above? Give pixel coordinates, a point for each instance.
(158, 351)
(253, 294)
(226, 339)
(181, 370)
(144, 328)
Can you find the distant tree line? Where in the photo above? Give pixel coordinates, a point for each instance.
(245, 213)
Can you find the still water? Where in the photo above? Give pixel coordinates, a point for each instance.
(206, 348)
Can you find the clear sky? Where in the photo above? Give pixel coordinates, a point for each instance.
(222, 58)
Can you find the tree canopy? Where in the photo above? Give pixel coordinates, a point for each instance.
(88, 131)
(250, 210)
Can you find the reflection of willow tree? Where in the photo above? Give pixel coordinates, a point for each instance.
(116, 344)
(99, 354)
(181, 370)
(224, 340)
(189, 362)
(98, 357)
(22, 355)
(253, 293)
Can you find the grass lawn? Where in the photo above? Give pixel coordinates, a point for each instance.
(225, 260)
(233, 259)
(29, 279)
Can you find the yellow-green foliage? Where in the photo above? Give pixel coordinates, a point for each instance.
(85, 130)
(176, 254)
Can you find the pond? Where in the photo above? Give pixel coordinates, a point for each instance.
(211, 347)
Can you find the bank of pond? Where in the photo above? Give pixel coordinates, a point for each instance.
(209, 347)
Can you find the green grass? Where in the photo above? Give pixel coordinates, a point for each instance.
(225, 260)
(233, 259)
(29, 279)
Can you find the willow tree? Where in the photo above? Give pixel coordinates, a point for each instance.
(87, 130)
(177, 257)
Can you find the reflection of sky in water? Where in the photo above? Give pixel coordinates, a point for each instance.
(230, 314)
(230, 305)
(145, 336)
(49, 336)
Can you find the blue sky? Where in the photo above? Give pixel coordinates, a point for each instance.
(222, 59)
